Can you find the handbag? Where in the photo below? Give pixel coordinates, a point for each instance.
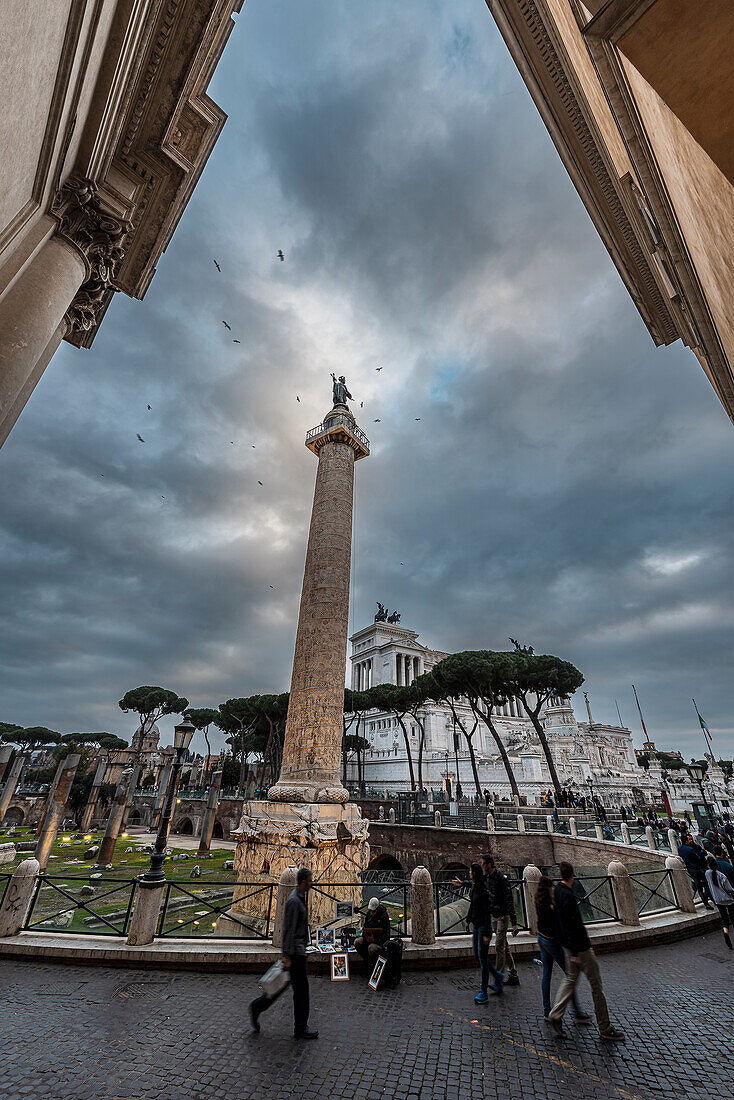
(274, 980)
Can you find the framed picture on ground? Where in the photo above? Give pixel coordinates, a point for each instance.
(377, 972)
(326, 939)
(339, 967)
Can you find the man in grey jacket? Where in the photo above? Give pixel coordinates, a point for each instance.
(295, 938)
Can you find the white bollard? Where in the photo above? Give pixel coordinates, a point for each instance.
(549, 822)
(673, 841)
(422, 919)
(391, 816)
(437, 819)
(573, 826)
(625, 830)
(490, 823)
(520, 823)
(18, 897)
(681, 883)
(599, 831)
(651, 842)
(623, 894)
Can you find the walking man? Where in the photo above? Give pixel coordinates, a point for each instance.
(502, 908)
(582, 960)
(295, 937)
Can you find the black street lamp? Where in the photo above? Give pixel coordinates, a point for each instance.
(697, 772)
(182, 735)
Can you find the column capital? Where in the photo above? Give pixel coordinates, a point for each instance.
(98, 236)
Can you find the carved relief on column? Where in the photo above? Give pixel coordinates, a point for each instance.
(99, 237)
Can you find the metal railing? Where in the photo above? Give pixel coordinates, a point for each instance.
(338, 420)
(394, 895)
(451, 906)
(4, 880)
(596, 899)
(654, 892)
(58, 905)
(217, 910)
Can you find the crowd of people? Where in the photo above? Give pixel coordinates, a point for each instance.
(562, 937)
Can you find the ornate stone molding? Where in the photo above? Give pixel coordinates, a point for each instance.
(99, 237)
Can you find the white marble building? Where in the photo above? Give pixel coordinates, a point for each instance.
(390, 653)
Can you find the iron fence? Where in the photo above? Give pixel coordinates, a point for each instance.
(217, 910)
(62, 903)
(393, 893)
(654, 892)
(596, 899)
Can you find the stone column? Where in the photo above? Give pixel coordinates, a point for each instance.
(531, 876)
(10, 784)
(56, 810)
(549, 822)
(681, 883)
(391, 815)
(623, 893)
(144, 920)
(127, 782)
(93, 795)
(520, 823)
(49, 797)
(286, 886)
(161, 795)
(211, 813)
(18, 897)
(491, 828)
(573, 826)
(422, 917)
(59, 293)
(651, 842)
(313, 733)
(6, 751)
(673, 840)
(437, 819)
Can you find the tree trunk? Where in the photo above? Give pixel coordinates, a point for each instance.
(421, 744)
(532, 715)
(205, 731)
(487, 719)
(407, 749)
(469, 744)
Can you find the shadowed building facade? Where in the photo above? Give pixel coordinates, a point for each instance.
(105, 129)
(638, 97)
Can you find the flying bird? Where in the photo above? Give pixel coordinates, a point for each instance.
(162, 497)
(377, 422)
(227, 326)
(298, 399)
(101, 475)
(417, 418)
(253, 446)
(271, 586)
(236, 341)
(259, 482)
(280, 254)
(361, 404)
(232, 442)
(378, 368)
(216, 265)
(401, 563)
(149, 408)
(140, 437)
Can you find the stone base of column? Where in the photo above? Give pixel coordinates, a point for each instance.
(331, 839)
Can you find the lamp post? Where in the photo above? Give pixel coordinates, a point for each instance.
(697, 772)
(182, 735)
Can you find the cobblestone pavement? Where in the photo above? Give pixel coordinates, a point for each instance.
(82, 1033)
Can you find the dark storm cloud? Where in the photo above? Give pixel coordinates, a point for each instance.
(566, 482)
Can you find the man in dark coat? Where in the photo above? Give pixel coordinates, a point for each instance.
(695, 861)
(295, 938)
(375, 933)
(582, 959)
(502, 908)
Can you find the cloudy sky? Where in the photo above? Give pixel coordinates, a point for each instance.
(567, 483)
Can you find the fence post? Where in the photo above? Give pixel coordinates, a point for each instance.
(599, 831)
(422, 919)
(286, 886)
(211, 812)
(520, 823)
(490, 823)
(623, 893)
(437, 819)
(549, 822)
(145, 914)
(18, 896)
(531, 876)
(391, 815)
(681, 884)
(625, 831)
(572, 826)
(673, 841)
(651, 842)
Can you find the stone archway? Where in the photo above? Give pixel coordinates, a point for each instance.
(452, 870)
(217, 831)
(14, 816)
(185, 827)
(135, 818)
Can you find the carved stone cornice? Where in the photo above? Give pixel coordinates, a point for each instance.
(99, 238)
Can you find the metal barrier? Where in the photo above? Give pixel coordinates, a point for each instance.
(105, 913)
(596, 898)
(4, 880)
(393, 894)
(217, 910)
(654, 892)
(451, 904)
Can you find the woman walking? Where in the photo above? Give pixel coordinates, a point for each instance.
(551, 949)
(722, 892)
(479, 921)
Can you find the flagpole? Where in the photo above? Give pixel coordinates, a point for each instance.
(621, 723)
(704, 730)
(642, 720)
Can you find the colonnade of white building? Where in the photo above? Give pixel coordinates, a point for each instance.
(407, 666)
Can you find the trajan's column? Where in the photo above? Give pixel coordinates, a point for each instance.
(307, 819)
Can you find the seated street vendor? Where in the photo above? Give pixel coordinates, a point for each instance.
(375, 932)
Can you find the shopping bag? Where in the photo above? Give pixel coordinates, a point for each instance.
(274, 980)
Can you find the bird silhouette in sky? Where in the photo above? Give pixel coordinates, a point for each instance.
(216, 265)
(298, 399)
(281, 257)
(236, 341)
(271, 586)
(401, 563)
(259, 482)
(162, 497)
(417, 418)
(227, 326)
(149, 407)
(232, 442)
(378, 368)
(253, 446)
(361, 404)
(101, 475)
(140, 437)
